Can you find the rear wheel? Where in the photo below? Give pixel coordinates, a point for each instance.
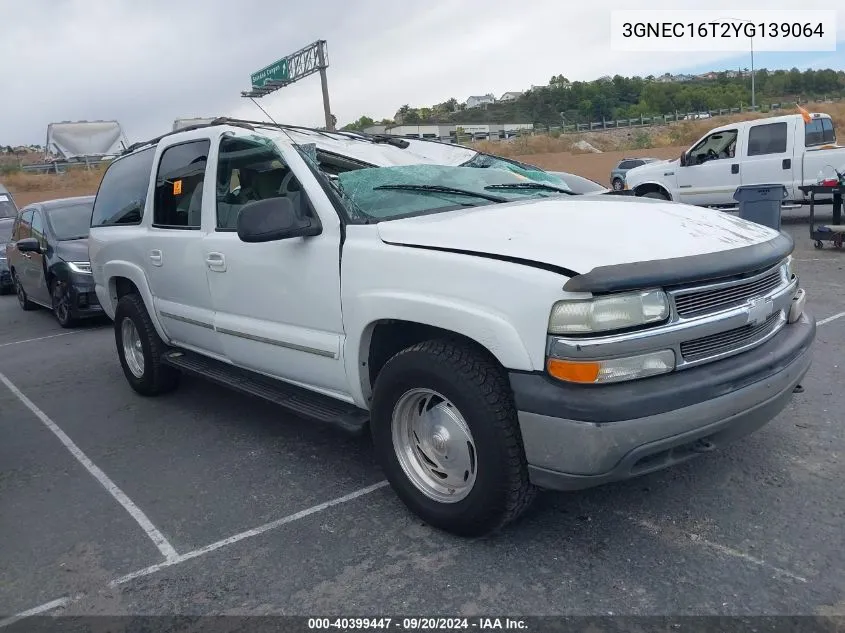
(446, 433)
(141, 349)
(61, 304)
(617, 184)
(23, 300)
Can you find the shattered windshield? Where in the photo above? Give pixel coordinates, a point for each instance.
(384, 193)
(529, 171)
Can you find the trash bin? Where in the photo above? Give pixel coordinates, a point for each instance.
(761, 203)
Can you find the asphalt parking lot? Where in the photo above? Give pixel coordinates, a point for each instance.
(206, 501)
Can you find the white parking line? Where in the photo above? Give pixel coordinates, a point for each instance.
(830, 318)
(722, 549)
(42, 608)
(134, 511)
(249, 533)
(42, 338)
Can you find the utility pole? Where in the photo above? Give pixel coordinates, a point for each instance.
(753, 100)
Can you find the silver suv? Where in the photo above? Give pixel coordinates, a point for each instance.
(617, 174)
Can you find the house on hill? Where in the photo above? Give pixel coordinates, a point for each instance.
(510, 96)
(477, 101)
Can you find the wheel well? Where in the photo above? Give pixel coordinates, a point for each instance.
(123, 286)
(390, 337)
(651, 188)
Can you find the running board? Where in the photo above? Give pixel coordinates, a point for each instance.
(301, 401)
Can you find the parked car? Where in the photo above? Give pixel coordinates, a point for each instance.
(617, 174)
(8, 209)
(6, 285)
(472, 318)
(778, 150)
(48, 259)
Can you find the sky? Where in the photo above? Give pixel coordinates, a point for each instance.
(147, 63)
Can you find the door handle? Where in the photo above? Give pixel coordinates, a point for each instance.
(735, 168)
(787, 163)
(156, 257)
(216, 262)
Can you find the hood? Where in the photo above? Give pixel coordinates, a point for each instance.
(643, 171)
(73, 250)
(581, 233)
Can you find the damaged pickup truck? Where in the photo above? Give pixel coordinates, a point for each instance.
(472, 314)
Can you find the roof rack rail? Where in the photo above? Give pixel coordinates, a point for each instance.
(251, 125)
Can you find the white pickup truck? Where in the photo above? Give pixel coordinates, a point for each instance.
(470, 315)
(778, 150)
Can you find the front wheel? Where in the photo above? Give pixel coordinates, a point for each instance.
(61, 304)
(446, 434)
(141, 349)
(656, 195)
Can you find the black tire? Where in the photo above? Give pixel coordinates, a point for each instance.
(61, 304)
(479, 389)
(23, 300)
(157, 377)
(617, 184)
(655, 194)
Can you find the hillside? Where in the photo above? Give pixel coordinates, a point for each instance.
(630, 97)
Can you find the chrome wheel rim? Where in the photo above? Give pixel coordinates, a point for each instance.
(132, 350)
(434, 445)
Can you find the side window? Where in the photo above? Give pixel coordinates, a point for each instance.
(814, 132)
(37, 226)
(179, 184)
(123, 190)
(249, 170)
(24, 220)
(718, 145)
(828, 133)
(767, 139)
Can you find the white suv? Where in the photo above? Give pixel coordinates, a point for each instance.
(471, 313)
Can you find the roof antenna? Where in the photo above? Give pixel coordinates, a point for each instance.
(267, 114)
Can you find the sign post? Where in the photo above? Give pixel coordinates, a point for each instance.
(283, 72)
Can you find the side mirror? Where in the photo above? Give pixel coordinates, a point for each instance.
(683, 159)
(274, 219)
(29, 245)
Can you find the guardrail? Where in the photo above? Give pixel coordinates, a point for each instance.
(60, 167)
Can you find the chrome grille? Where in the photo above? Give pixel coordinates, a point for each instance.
(726, 295)
(730, 341)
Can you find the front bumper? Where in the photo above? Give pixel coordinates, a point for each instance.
(83, 299)
(579, 436)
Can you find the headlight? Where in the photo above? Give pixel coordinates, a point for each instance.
(612, 370)
(790, 268)
(614, 312)
(80, 267)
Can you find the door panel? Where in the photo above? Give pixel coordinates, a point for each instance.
(712, 173)
(36, 286)
(277, 304)
(174, 257)
(768, 155)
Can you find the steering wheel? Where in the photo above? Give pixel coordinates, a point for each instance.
(284, 187)
(711, 153)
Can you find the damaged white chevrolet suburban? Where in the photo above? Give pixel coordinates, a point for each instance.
(490, 329)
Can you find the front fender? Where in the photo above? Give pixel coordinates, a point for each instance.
(107, 293)
(478, 323)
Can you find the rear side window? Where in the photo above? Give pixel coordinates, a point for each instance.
(630, 164)
(767, 139)
(819, 132)
(123, 191)
(178, 193)
(7, 205)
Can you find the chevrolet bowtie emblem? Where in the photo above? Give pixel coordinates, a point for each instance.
(759, 310)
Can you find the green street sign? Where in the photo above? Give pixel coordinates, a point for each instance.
(277, 71)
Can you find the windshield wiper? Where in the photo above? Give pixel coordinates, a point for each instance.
(532, 185)
(442, 189)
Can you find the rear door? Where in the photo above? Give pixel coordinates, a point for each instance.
(767, 155)
(174, 258)
(36, 282)
(18, 261)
